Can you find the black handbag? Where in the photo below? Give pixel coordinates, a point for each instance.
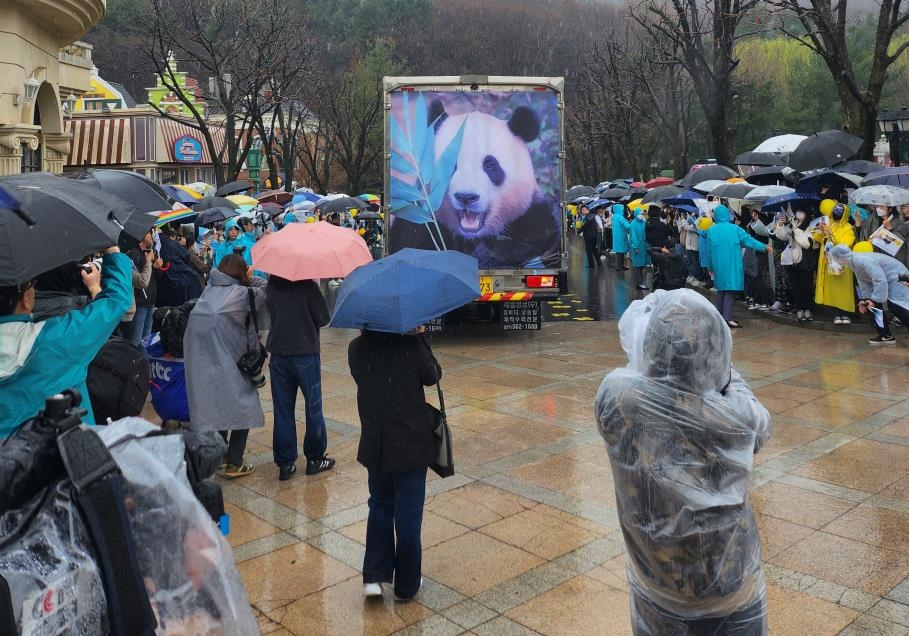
(444, 461)
(251, 362)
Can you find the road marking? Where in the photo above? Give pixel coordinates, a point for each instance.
(582, 318)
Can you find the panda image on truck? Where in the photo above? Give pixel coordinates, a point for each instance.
(493, 209)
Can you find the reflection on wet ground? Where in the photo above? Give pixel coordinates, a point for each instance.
(525, 538)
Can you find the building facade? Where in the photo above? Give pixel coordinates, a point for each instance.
(41, 64)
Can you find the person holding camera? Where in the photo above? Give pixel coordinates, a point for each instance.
(297, 310)
(43, 358)
(224, 359)
(145, 288)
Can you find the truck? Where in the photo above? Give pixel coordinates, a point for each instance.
(476, 163)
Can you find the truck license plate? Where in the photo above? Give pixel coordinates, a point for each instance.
(485, 284)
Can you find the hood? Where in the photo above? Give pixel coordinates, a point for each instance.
(639, 214)
(17, 339)
(217, 277)
(619, 209)
(721, 214)
(232, 223)
(686, 344)
(841, 254)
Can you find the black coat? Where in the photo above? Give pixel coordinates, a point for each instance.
(396, 427)
(657, 232)
(177, 281)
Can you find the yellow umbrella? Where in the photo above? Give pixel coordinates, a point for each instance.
(634, 205)
(735, 180)
(190, 191)
(242, 199)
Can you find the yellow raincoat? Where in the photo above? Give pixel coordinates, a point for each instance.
(835, 290)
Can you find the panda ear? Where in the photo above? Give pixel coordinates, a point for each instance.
(436, 114)
(524, 123)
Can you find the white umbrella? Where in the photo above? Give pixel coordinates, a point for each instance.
(761, 193)
(780, 143)
(880, 195)
(710, 184)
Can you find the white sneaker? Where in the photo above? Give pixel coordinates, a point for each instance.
(808, 315)
(800, 315)
(372, 589)
(776, 306)
(837, 320)
(846, 320)
(333, 282)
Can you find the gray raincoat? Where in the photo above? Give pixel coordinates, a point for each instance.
(220, 397)
(877, 275)
(681, 428)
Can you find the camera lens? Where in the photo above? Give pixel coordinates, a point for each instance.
(258, 380)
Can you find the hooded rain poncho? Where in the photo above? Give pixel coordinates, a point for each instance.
(620, 227)
(637, 236)
(834, 290)
(877, 275)
(225, 246)
(681, 428)
(725, 241)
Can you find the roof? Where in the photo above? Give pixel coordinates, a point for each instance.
(128, 100)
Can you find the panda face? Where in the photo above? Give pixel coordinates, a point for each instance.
(494, 181)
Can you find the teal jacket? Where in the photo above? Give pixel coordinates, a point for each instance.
(39, 359)
(637, 236)
(619, 229)
(725, 241)
(224, 247)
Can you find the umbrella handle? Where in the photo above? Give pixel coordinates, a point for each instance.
(26, 217)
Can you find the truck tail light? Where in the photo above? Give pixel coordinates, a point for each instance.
(537, 282)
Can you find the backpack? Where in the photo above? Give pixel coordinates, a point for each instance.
(118, 380)
(170, 323)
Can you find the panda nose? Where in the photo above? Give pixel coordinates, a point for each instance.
(466, 198)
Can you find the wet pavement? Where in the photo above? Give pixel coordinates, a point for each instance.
(525, 538)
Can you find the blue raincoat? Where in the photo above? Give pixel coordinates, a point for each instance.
(877, 275)
(703, 247)
(725, 241)
(224, 247)
(638, 239)
(620, 228)
(39, 359)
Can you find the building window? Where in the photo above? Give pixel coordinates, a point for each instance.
(31, 159)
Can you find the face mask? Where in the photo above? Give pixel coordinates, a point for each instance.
(799, 216)
(838, 214)
(880, 211)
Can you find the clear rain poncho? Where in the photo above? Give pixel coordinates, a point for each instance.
(681, 428)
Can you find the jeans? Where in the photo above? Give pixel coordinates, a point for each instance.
(694, 267)
(141, 324)
(900, 312)
(236, 445)
(393, 545)
(723, 301)
(288, 374)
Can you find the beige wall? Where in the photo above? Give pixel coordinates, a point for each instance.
(32, 33)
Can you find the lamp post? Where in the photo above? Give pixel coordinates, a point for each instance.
(31, 88)
(894, 125)
(653, 168)
(254, 162)
(71, 104)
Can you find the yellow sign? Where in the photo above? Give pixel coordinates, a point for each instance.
(485, 284)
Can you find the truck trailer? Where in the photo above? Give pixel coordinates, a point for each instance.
(476, 164)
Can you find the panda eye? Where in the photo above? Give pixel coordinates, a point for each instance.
(493, 170)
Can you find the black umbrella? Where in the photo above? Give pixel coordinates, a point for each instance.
(615, 193)
(858, 166)
(68, 224)
(341, 204)
(732, 190)
(208, 203)
(752, 158)
(139, 191)
(213, 215)
(707, 173)
(580, 191)
(824, 149)
(271, 209)
(898, 176)
(771, 175)
(657, 194)
(234, 187)
(835, 182)
(368, 215)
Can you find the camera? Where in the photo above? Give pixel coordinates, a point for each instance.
(239, 250)
(903, 278)
(250, 365)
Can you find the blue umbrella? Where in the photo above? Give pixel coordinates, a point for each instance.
(685, 198)
(402, 291)
(180, 196)
(776, 204)
(898, 176)
(302, 195)
(835, 181)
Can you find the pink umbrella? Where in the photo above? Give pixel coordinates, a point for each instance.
(310, 250)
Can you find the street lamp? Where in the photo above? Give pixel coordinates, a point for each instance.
(31, 88)
(71, 104)
(653, 168)
(894, 124)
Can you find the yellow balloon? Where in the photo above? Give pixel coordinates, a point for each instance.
(381, 215)
(361, 231)
(826, 206)
(863, 246)
(353, 212)
(310, 219)
(705, 223)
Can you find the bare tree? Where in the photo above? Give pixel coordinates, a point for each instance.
(826, 24)
(233, 42)
(701, 37)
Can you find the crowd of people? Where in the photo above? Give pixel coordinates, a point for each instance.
(773, 261)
